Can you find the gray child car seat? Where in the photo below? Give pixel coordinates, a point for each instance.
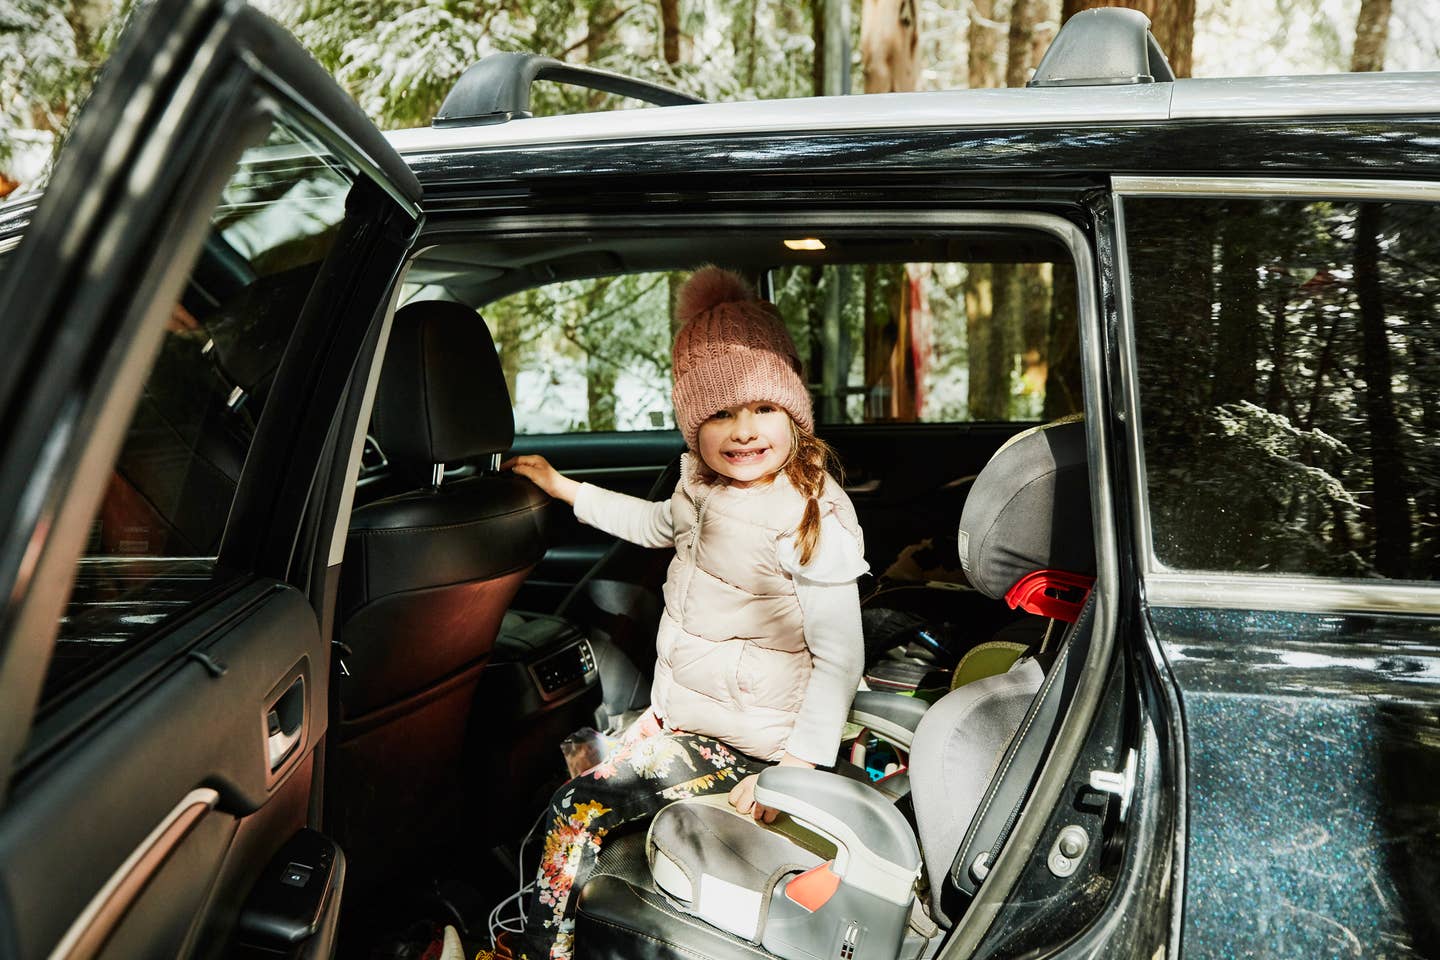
(836, 877)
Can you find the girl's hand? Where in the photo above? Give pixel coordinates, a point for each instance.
(742, 795)
(538, 471)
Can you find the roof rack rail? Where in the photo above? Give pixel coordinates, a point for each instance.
(497, 88)
(1108, 45)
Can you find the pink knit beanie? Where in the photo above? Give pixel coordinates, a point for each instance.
(732, 349)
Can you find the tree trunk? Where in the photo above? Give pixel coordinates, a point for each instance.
(670, 30)
(752, 45)
(507, 344)
(675, 280)
(817, 37)
(1237, 342)
(1371, 29)
(984, 40)
(1391, 500)
(599, 372)
(834, 34)
(1425, 362)
(834, 347)
(1277, 396)
(599, 394)
(989, 360)
(1171, 21)
(1019, 49)
(988, 395)
(1022, 293)
(889, 39)
(598, 23)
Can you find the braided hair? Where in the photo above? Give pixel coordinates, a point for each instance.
(811, 460)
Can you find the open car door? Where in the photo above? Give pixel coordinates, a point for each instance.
(188, 321)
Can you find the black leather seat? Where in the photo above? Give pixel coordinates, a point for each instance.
(621, 900)
(427, 576)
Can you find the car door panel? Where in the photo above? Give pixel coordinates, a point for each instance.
(136, 814)
(627, 463)
(187, 727)
(1312, 719)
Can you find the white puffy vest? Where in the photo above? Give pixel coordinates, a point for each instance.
(731, 656)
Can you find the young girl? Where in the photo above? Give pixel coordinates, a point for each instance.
(759, 649)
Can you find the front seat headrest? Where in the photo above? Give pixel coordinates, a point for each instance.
(1025, 532)
(442, 396)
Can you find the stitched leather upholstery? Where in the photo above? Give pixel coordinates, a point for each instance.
(428, 573)
(427, 576)
(442, 395)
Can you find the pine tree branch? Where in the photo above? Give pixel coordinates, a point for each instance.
(602, 27)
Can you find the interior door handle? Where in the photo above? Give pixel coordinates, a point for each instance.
(285, 724)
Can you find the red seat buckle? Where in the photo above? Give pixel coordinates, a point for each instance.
(1051, 593)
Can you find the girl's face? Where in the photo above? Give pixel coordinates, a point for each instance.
(746, 444)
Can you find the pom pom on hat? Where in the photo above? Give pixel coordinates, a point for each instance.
(707, 288)
(731, 350)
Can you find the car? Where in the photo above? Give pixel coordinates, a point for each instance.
(286, 658)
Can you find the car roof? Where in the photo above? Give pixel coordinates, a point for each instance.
(1335, 95)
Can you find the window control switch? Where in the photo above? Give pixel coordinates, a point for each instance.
(295, 875)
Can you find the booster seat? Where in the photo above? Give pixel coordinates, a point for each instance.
(835, 876)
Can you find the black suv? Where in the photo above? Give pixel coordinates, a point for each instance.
(277, 632)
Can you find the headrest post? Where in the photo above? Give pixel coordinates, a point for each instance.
(492, 465)
(437, 475)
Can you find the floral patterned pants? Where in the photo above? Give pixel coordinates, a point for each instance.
(649, 769)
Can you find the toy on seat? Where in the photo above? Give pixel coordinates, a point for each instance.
(769, 886)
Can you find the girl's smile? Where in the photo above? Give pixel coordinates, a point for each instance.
(746, 444)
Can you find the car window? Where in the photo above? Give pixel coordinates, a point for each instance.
(588, 355)
(153, 546)
(934, 342)
(920, 343)
(1289, 372)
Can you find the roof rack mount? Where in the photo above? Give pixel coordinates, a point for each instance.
(1100, 47)
(496, 88)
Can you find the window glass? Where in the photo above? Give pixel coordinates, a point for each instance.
(589, 355)
(920, 342)
(935, 342)
(1289, 383)
(153, 545)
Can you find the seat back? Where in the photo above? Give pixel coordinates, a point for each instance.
(427, 576)
(1027, 521)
